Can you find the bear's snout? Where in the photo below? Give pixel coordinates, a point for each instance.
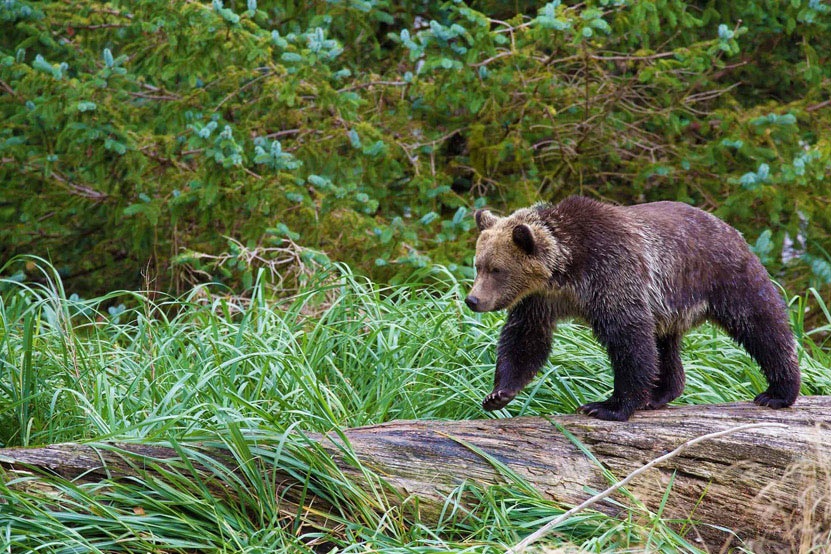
(472, 303)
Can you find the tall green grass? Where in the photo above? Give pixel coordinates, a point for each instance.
(245, 372)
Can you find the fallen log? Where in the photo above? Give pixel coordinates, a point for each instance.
(743, 481)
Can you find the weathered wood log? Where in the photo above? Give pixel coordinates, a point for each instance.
(716, 483)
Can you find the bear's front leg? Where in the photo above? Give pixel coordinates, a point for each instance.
(524, 345)
(629, 339)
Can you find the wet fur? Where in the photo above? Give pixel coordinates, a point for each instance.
(640, 276)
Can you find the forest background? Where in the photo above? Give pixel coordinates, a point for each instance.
(175, 143)
(239, 222)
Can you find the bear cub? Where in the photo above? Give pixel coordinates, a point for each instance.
(640, 276)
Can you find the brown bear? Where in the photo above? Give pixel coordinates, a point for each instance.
(640, 276)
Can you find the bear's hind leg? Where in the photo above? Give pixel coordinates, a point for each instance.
(757, 319)
(671, 377)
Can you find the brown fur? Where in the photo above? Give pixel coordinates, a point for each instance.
(641, 276)
(519, 272)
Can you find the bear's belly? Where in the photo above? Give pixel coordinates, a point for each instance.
(670, 322)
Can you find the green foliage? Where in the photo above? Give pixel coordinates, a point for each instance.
(253, 377)
(140, 130)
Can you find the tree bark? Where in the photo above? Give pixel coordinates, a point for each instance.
(745, 481)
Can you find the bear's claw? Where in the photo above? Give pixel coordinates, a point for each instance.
(497, 399)
(661, 401)
(608, 410)
(655, 405)
(767, 399)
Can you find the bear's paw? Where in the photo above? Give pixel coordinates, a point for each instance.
(497, 399)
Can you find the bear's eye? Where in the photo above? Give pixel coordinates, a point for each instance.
(495, 270)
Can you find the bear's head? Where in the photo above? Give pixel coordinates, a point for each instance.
(516, 256)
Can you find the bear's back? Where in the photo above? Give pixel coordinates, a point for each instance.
(692, 255)
(678, 230)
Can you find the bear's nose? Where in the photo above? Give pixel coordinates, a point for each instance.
(472, 302)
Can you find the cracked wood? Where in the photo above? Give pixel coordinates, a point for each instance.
(428, 459)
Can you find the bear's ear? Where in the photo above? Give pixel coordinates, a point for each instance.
(524, 238)
(484, 219)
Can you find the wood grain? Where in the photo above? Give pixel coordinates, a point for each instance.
(718, 482)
